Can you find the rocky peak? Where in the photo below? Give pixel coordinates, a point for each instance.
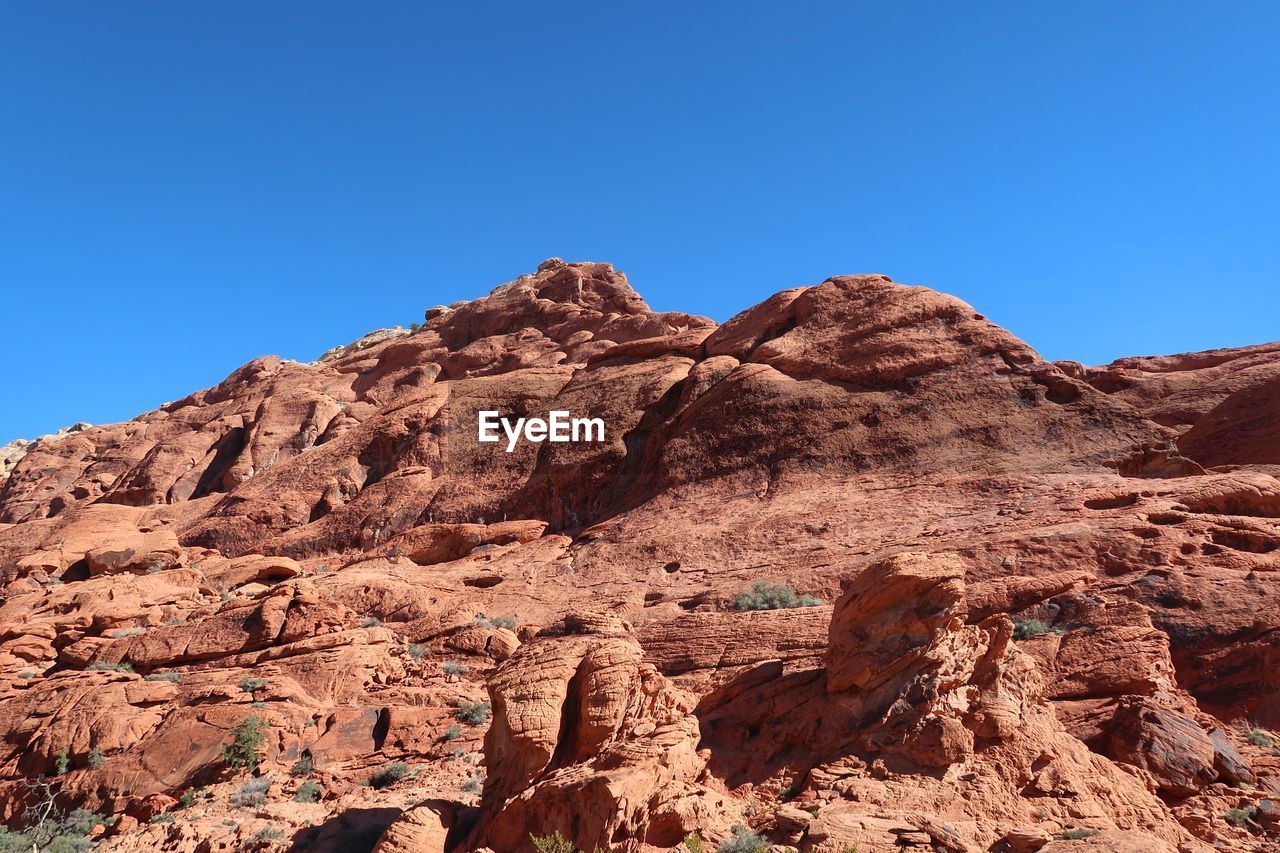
(1007, 604)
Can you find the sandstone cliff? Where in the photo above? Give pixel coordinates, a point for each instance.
(1048, 610)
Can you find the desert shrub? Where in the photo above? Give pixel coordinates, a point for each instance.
(455, 754)
(252, 685)
(163, 817)
(54, 832)
(693, 843)
(743, 840)
(508, 622)
(53, 835)
(252, 793)
(1078, 834)
(1024, 629)
(417, 651)
(766, 595)
(123, 666)
(162, 676)
(414, 327)
(95, 758)
(304, 766)
(452, 668)
(1240, 817)
(1258, 737)
(370, 622)
(188, 797)
(122, 633)
(474, 784)
(26, 675)
(553, 843)
(472, 713)
(452, 733)
(243, 752)
(61, 763)
(262, 836)
(389, 774)
(309, 792)
(175, 620)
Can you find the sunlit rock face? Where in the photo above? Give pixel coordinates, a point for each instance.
(856, 567)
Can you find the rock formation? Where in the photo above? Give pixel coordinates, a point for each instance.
(1036, 605)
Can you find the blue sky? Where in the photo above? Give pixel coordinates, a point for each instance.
(185, 186)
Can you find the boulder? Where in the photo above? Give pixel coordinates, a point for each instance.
(137, 553)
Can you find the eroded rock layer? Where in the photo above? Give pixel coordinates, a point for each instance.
(1031, 606)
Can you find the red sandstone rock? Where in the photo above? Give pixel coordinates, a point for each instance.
(1243, 429)
(313, 543)
(1178, 390)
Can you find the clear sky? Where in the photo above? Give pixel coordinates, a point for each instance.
(185, 186)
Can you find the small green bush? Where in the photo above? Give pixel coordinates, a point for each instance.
(743, 840)
(123, 666)
(188, 797)
(175, 620)
(253, 685)
(417, 651)
(1078, 834)
(452, 668)
(309, 792)
(304, 766)
(693, 843)
(252, 793)
(472, 713)
(452, 733)
(163, 817)
(766, 595)
(553, 843)
(61, 763)
(96, 759)
(1025, 629)
(508, 622)
(1258, 737)
(1240, 817)
(390, 774)
(124, 633)
(162, 676)
(243, 752)
(370, 622)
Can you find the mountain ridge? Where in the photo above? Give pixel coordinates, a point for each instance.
(1046, 592)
